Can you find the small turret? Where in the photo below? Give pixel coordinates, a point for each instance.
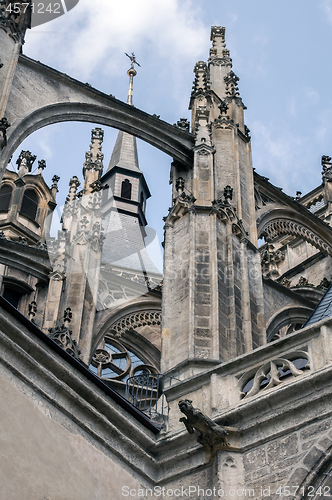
(26, 202)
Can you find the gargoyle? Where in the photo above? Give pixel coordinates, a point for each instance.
(211, 435)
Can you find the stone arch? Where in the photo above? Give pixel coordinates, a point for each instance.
(279, 222)
(287, 316)
(121, 323)
(319, 476)
(61, 98)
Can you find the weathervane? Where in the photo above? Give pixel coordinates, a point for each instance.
(132, 59)
(131, 73)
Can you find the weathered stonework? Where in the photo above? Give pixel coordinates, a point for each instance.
(86, 326)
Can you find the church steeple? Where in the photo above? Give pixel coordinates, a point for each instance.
(125, 150)
(125, 187)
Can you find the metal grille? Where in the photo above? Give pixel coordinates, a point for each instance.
(146, 392)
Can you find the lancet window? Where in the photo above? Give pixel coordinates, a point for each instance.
(5, 197)
(30, 203)
(126, 189)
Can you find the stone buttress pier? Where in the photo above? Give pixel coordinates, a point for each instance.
(213, 297)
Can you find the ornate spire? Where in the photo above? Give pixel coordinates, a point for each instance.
(231, 80)
(125, 150)
(94, 157)
(219, 55)
(200, 83)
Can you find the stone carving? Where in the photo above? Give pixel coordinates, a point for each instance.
(226, 213)
(94, 157)
(55, 180)
(271, 372)
(182, 204)
(97, 238)
(223, 122)
(219, 55)
(222, 61)
(23, 240)
(183, 123)
(63, 336)
(270, 259)
(4, 124)
(84, 222)
(25, 161)
(42, 166)
(179, 185)
(74, 183)
(200, 84)
(247, 131)
(324, 284)
(96, 186)
(133, 321)
(223, 108)
(211, 435)
(228, 194)
(16, 17)
(286, 282)
(232, 89)
(327, 168)
(94, 202)
(32, 310)
(278, 227)
(303, 282)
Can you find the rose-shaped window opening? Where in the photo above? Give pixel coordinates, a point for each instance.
(115, 362)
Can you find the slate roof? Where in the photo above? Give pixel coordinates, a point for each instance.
(323, 309)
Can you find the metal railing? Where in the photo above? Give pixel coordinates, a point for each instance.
(145, 392)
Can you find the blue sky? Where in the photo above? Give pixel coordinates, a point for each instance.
(280, 52)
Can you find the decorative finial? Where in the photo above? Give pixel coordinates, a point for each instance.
(32, 310)
(327, 168)
(25, 162)
(131, 73)
(41, 166)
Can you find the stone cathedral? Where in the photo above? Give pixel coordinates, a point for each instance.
(213, 380)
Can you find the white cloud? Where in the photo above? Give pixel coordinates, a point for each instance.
(94, 35)
(277, 155)
(326, 5)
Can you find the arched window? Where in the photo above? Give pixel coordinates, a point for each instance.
(126, 189)
(13, 290)
(5, 197)
(29, 205)
(13, 295)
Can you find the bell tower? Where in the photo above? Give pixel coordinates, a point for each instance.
(125, 193)
(213, 307)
